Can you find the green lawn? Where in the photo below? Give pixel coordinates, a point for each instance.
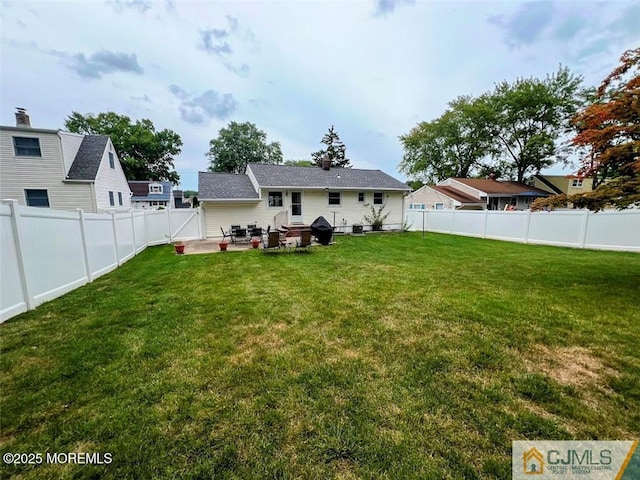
(384, 356)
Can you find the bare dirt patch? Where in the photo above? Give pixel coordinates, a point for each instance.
(575, 366)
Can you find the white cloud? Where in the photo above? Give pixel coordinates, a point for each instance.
(373, 69)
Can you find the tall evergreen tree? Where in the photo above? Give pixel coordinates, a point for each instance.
(335, 151)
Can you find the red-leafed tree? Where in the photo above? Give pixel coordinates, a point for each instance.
(610, 129)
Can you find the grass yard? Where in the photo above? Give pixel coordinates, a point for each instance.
(384, 356)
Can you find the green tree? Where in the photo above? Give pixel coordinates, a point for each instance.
(239, 144)
(528, 118)
(299, 163)
(189, 193)
(610, 128)
(453, 145)
(335, 151)
(143, 152)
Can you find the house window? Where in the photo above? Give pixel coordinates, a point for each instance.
(112, 162)
(155, 188)
(577, 182)
(334, 198)
(416, 206)
(378, 198)
(26, 147)
(37, 198)
(111, 200)
(120, 198)
(275, 199)
(361, 197)
(439, 206)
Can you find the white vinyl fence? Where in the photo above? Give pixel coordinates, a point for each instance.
(605, 230)
(47, 253)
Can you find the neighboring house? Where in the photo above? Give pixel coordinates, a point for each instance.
(436, 197)
(474, 194)
(60, 170)
(569, 184)
(277, 195)
(496, 194)
(150, 194)
(180, 201)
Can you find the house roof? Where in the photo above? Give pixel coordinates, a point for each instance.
(230, 186)
(268, 175)
(456, 194)
(140, 191)
(494, 187)
(87, 161)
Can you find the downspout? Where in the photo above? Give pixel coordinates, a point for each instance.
(94, 200)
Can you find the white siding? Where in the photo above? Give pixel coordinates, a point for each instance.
(314, 204)
(429, 197)
(70, 145)
(111, 179)
(18, 173)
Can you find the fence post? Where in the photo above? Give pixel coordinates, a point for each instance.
(486, 219)
(170, 226)
(133, 233)
(526, 227)
(200, 222)
(584, 228)
(115, 238)
(17, 238)
(85, 249)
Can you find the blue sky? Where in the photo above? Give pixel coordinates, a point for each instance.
(374, 69)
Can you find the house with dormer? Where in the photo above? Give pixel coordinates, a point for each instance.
(293, 197)
(151, 194)
(60, 170)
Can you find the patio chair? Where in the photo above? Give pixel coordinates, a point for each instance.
(226, 234)
(250, 227)
(304, 241)
(241, 234)
(272, 242)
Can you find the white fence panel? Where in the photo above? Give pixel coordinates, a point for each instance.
(157, 227)
(185, 224)
(139, 230)
(470, 223)
(124, 235)
(557, 228)
(609, 230)
(440, 220)
(614, 230)
(53, 252)
(506, 225)
(12, 291)
(100, 247)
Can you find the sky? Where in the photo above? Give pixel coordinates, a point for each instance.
(372, 68)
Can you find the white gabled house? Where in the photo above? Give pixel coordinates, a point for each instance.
(283, 195)
(60, 170)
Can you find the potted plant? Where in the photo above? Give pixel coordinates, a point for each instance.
(179, 247)
(255, 242)
(223, 245)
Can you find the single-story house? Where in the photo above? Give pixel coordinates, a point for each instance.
(151, 194)
(475, 194)
(437, 197)
(281, 195)
(60, 170)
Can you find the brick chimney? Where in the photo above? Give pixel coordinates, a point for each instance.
(326, 163)
(22, 118)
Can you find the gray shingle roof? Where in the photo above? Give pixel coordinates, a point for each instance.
(225, 186)
(85, 165)
(315, 177)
